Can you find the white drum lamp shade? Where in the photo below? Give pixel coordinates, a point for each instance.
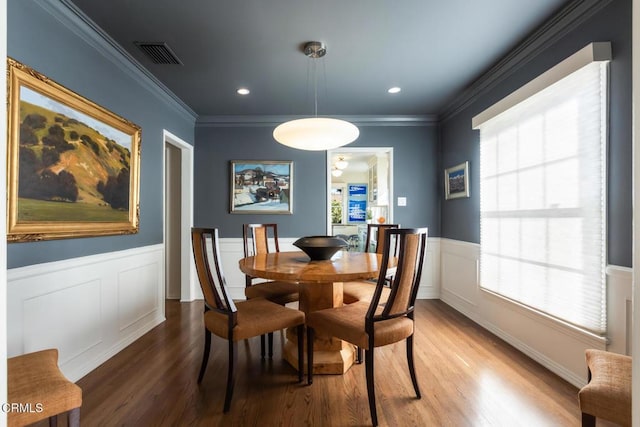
(316, 133)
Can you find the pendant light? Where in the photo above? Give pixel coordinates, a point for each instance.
(316, 133)
(341, 163)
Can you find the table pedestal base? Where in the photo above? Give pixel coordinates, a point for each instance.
(331, 355)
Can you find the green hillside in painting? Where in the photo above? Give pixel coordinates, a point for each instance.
(68, 169)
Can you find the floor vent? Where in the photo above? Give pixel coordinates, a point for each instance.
(158, 52)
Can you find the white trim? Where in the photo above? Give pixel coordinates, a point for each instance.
(556, 345)
(80, 24)
(89, 308)
(274, 120)
(593, 52)
(635, 31)
(374, 150)
(189, 289)
(566, 20)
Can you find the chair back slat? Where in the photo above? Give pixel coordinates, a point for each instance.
(404, 286)
(260, 239)
(206, 253)
(376, 233)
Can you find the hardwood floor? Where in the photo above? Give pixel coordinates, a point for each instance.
(467, 376)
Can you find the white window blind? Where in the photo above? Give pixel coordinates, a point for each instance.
(542, 200)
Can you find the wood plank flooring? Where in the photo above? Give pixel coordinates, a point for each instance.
(468, 377)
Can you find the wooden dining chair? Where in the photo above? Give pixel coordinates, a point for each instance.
(263, 239)
(374, 324)
(363, 290)
(230, 320)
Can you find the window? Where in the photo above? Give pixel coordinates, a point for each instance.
(542, 194)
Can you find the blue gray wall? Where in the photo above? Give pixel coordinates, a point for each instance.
(39, 40)
(461, 217)
(419, 153)
(415, 176)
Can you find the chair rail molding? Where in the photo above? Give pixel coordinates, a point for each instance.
(89, 308)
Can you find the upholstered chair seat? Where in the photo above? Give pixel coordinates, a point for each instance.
(361, 291)
(276, 291)
(608, 392)
(348, 323)
(255, 317)
(35, 380)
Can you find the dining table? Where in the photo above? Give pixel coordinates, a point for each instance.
(321, 287)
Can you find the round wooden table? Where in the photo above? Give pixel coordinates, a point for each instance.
(320, 288)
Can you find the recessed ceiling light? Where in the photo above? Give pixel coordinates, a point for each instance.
(243, 91)
(394, 89)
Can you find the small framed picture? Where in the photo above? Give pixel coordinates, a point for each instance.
(456, 181)
(261, 187)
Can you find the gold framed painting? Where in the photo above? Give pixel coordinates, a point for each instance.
(73, 167)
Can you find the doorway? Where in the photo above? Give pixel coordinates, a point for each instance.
(360, 191)
(178, 219)
(173, 220)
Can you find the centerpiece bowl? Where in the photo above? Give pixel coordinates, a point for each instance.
(320, 248)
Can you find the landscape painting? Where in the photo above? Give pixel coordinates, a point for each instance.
(73, 165)
(261, 187)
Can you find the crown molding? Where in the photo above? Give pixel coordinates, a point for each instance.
(564, 21)
(75, 20)
(273, 120)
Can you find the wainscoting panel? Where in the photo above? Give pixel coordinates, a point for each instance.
(557, 346)
(43, 330)
(619, 312)
(137, 294)
(88, 308)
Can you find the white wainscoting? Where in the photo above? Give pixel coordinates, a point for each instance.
(232, 251)
(557, 346)
(88, 308)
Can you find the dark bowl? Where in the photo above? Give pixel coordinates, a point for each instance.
(320, 247)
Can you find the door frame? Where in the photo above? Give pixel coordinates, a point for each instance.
(635, 131)
(188, 291)
(373, 150)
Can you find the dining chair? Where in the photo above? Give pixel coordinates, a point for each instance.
(607, 394)
(35, 381)
(363, 290)
(263, 239)
(235, 321)
(374, 324)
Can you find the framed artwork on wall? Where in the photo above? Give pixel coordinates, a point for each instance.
(261, 187)
(73, 166)
(456, 181)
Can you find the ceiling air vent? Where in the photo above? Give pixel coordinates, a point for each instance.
(158, 52)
